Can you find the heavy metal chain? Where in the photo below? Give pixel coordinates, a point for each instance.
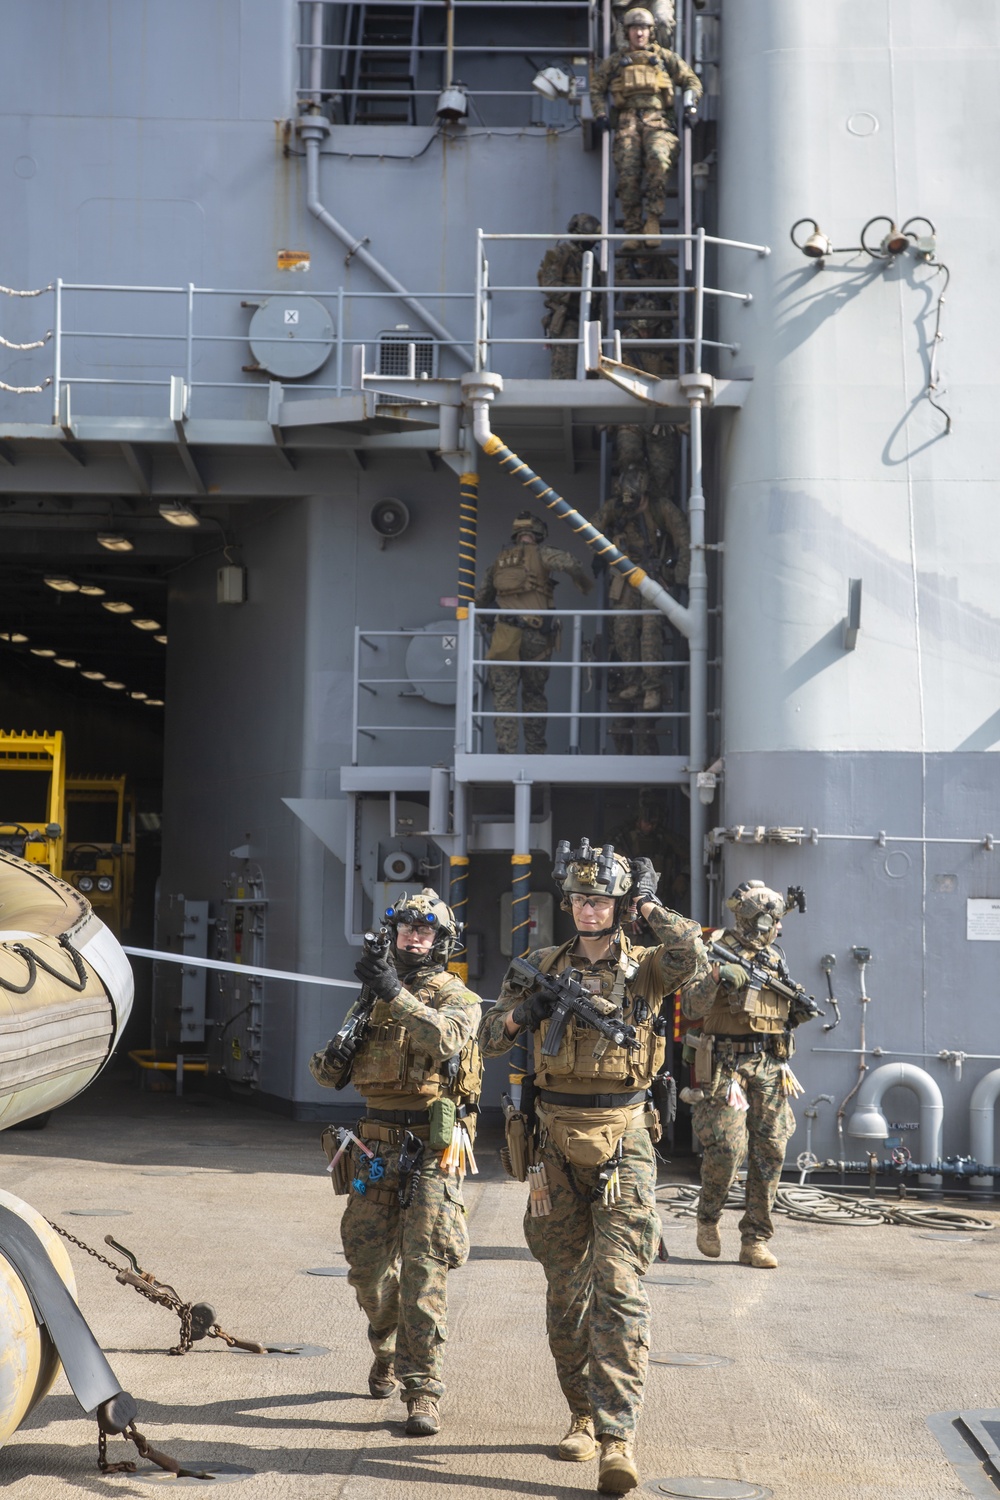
(145, 1450)
(162, 1295)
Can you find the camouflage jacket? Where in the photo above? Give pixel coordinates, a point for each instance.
(438, 1016)
(554, 561)
(663, 71)
(562, 266)
(679, 956)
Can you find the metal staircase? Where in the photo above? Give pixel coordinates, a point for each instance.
(383, 70)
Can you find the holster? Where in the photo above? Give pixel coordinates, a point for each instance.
(703, 1049)
(341, 1174)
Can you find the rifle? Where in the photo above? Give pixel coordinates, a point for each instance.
(354, 1031)
(570, 998)
(802, 1007)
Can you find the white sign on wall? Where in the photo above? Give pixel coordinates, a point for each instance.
(982, 920)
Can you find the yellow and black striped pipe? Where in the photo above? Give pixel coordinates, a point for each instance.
(520, 919)
(468, 513)
(458, 900)
(594, 539)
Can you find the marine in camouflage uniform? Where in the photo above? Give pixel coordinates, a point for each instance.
(420, 1048)
(520, 581)
(641, 78)
(639, 523)
(646, 835)
(562, 266)
(745, 1087)
(594, 1118)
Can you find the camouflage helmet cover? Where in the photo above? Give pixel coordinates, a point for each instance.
(525, 521)
(638, 16)
(583, 224)
(757, 910)
(426, 908)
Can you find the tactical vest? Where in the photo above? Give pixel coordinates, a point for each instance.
(521, 580)
(561, 266)
(390, 1062)
(639, 83)
(636, 977)
(763, 1012)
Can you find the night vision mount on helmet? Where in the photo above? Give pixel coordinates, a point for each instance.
(427, 909)
(525, 521)
(591, 872)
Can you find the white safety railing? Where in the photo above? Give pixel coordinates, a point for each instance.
(596, 302)
(585, 717)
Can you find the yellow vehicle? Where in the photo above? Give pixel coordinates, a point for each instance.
(100, 845)
(33, 797)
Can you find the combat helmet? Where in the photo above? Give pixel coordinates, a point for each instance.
(757, 911)
(638, 16)
(592, 872)
(523, 522)
(583, 224)
(426, 908)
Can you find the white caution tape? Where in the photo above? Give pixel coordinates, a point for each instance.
(216, 963)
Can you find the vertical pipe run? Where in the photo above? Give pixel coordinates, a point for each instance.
(449, 43)
(468, 520)
(458, 900)
(574, 686)
(586, 287)
(520, 871)
(316, 56)
(698, 672)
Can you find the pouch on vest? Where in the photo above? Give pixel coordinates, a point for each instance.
(505, 642)
(586, 1137)
(341, 1174)
(642, 78)
(442, 1123)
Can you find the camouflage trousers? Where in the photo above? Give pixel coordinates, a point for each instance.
(594, 1258)
(643, 151)
(503, 681)
(728, 1134)
(564, 355)
(399, 1260)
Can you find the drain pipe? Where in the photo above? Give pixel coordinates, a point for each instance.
(312, 130)
(869, 1123)
(984, 1098)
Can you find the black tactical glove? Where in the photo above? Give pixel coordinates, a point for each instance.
(530, 1012)
(379, 975)
(646, 880)
(601, 124)
(732, 976)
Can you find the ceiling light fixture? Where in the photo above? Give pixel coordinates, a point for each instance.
(15, 637)
(139, 697)
(179, 514)
(60, 584)
(92, 590)
(93, 676)
(116, 687)
(146, 624)
(116, 606)
(154, 702)
(161, 638)
(114, 541)
(66, 661)
(41, 651)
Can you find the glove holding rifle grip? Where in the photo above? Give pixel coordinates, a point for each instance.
(530, 1012)
(374, 967)
(341, 1051)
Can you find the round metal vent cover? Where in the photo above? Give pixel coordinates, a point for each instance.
(432, 662)
(291, 336)
(672, 1358)
(692, 1488)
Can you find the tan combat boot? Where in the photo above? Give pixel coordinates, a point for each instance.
(422, 1419)
(652, 700)
(382, 1378)
(651, 229)
(579, 1444)
(633, 226)
(618, 1473)
(756, 1253)
(708, 1240)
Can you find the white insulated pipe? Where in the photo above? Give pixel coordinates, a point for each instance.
(981, 1111)
(908, 1076)
(312, 132)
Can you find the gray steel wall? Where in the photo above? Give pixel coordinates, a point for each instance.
(837, 468)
